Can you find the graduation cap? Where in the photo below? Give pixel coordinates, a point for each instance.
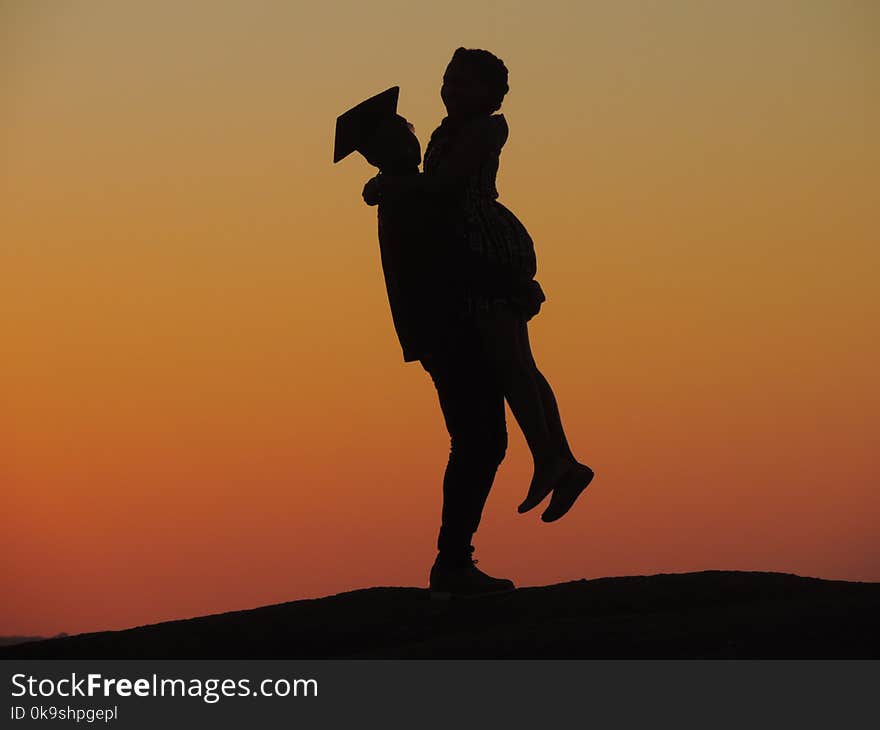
(358, 124)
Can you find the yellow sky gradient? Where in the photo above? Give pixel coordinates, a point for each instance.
(204, 403)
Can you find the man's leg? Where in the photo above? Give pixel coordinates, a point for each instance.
(473, 408)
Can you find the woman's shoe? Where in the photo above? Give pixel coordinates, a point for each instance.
(566, 492)
(541, 486)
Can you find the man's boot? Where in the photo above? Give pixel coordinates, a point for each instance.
(457, 575)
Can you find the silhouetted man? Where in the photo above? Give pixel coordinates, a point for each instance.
(423, 275)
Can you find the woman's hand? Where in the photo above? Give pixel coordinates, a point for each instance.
(373, 191)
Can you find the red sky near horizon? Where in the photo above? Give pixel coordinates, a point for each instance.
(204, 403)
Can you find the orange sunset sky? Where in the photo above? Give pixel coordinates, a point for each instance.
(204, 405)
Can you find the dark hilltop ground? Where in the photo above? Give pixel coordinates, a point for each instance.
(710, 614)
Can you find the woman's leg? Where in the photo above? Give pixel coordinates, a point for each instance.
(502, 331)
(548, 399)
(578, 476)
(551, 411)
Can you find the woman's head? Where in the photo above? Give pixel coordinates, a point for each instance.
(475, 82)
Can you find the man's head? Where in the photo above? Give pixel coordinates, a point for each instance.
(393, 145)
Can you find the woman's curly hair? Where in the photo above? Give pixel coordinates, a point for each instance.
(490, 69)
